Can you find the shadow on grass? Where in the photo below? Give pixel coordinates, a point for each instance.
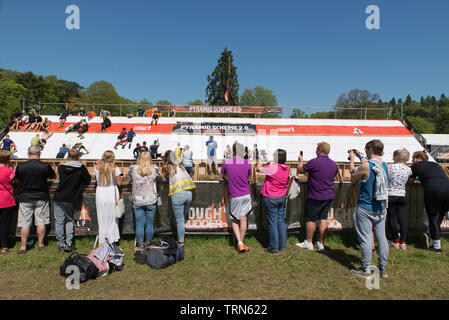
(340, 256)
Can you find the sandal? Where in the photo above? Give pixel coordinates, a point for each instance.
(22, 251)
(6, 250)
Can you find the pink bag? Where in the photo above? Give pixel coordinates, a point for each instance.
(103, 267)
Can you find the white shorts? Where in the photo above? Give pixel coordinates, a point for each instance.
(240, 206)
(212, 159)
(40, 210)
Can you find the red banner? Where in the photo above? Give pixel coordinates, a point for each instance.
(221, 109)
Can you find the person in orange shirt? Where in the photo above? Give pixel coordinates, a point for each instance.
(150, 112)
(91, 115)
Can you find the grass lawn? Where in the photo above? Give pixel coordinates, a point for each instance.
(213, 269)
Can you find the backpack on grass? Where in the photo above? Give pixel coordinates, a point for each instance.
(160, 254)
(87, 268)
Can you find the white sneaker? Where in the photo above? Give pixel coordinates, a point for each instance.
(305, 245)
(319, 246)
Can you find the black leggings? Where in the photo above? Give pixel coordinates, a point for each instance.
(5, 224)
(396, 217)
(437, 206)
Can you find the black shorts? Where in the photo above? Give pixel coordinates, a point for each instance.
(317, 209)
(155, 116)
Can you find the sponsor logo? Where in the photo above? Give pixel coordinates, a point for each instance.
(212, 217)
(82, 220)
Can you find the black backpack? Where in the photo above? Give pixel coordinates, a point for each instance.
(160, 254)
(87, 268)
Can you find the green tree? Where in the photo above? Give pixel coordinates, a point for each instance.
(102, 92)
(355, 103)
(163, 103)
(423, 125)
(298, 113)
(11, 95)
(197, 102)
(442, 122)
(259, 96)
(217, 82)
(408, 100)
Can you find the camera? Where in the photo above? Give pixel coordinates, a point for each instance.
(353, 150)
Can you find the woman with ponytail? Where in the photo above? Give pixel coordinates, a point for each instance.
(180, 192)
(108, 178)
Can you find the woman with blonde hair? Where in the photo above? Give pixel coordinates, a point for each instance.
(108, 178)
(180, 185)
(143, 176)
(399, 174)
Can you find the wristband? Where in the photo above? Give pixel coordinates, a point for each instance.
(361, 158)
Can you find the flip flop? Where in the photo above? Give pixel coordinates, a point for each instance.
(22, 251)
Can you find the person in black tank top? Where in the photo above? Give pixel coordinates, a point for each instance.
(436, 193)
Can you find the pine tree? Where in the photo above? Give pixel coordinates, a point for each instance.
(217, 82)
(393, 102)
(408, 100)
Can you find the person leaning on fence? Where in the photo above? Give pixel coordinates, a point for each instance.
(274, 191)
(34, 196)
(238, 172)
(72, 175)
(399, 175)
(320, 193)
(108, 178)
(371, 210)
(7, 202)
(436, 195)
(180, 186)
(144, 192)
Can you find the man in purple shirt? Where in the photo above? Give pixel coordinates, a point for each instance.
(320, 193)
(238, 172)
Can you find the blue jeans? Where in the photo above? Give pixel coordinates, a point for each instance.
(366, 222)
(144, 222)
(277, 230)
(180, 202)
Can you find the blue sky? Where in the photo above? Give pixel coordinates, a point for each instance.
(307, 52)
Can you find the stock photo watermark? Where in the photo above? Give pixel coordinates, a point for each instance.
(73, 21)
(372, 22)
(373, 282)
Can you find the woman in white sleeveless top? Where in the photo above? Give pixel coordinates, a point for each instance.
(108, 177)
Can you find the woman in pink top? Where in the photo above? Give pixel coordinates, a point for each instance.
(7, 202)
(274, 191)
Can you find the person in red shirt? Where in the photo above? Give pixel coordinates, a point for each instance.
(121, 138)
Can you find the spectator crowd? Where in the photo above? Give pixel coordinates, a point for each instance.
(381, 192)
